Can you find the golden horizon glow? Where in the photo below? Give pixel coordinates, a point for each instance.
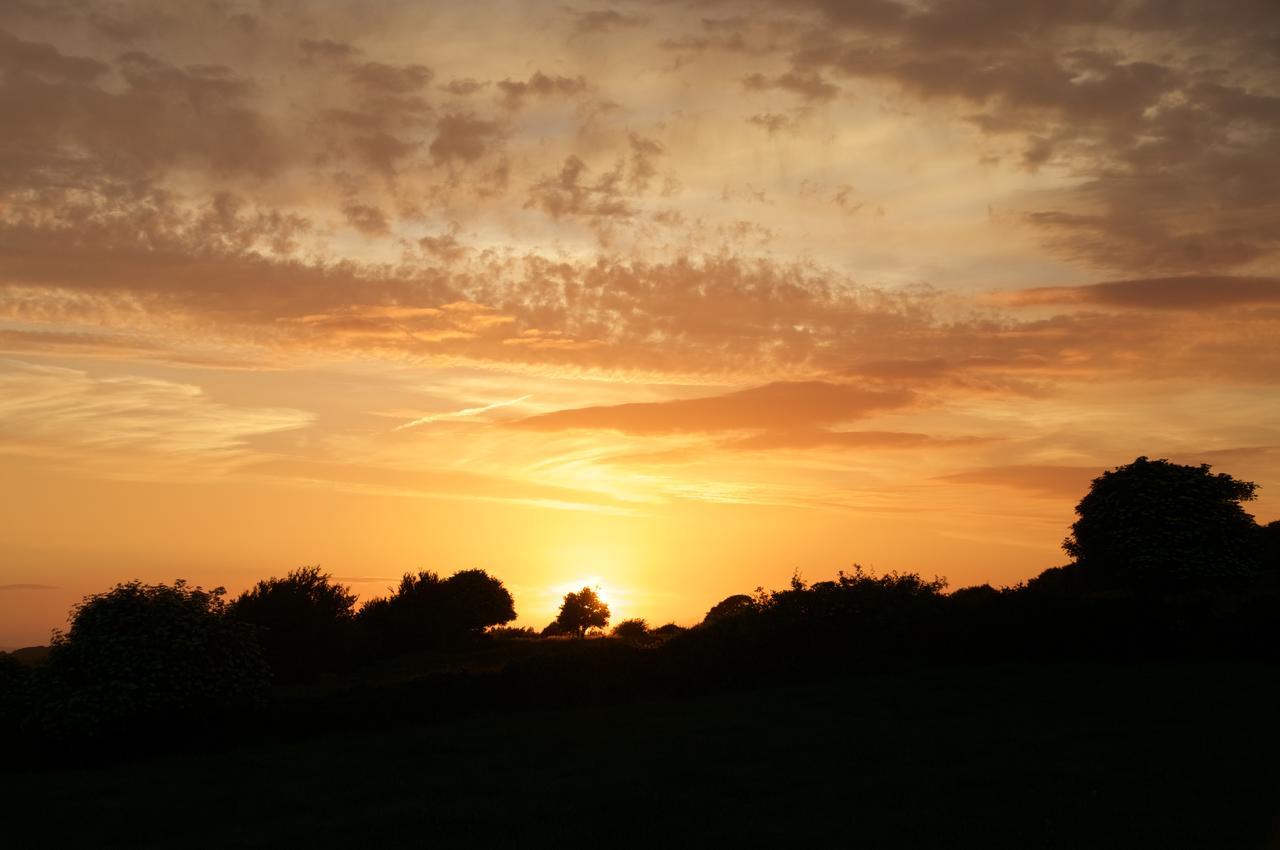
(675, 300)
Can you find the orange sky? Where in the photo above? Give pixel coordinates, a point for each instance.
(676, 298)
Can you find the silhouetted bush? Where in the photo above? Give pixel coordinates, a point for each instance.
(142, 656)
(1152, 522)
(553, 629)
(427, 611)
(728, 607)
(634, 629)
(581, 611)
(306, 621)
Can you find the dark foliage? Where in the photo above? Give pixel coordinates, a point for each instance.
(739, 603)
(634, 629)
(581, 611)
(305, 621)
(477, 601)
(141, 657)
(858, 620)
(427, 611)
(1269, 547)
(553, 629)
(15, 690)
(513, 633)
(1151, 523)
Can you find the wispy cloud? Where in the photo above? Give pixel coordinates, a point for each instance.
(459, 414)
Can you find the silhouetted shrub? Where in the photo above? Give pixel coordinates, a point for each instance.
(730, 606)
(1152, 522)
(666, 630)
(139, 656)
(553, 629)
(634, 629)
(306, 621)
(426, 611)
(581, 611)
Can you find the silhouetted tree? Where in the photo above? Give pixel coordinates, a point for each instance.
(1151, 521)
(581, 611)
(729, 606)
(426, 610)
(634, 629)
(140, 652)
(306, 620)
(476, 600)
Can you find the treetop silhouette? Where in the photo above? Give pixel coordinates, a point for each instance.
(581, 611)
(1153, 521)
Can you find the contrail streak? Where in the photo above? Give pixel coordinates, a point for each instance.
(466, 411)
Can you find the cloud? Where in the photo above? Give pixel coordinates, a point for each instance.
(772, 122)
(783, 407)
(163, 115)
(18, 57)
(1171, 149)
(540, 85)
(463, 86)
(381, 78)
(1041, 480)
(464, 412)
(326, 49)
(820, 438)
(439, 483)
(603, 21)
(461, 137)
(1190, 292)
(71, 407)
(808, 85)
(369, 220)
(571, 193)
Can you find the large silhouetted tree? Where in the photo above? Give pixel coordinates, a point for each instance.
(305, 620)
(140, 653)
(476, 601)
(1153, 521)
(581, 611)
(426, 610)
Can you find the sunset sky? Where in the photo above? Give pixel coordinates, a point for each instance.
(674, 298)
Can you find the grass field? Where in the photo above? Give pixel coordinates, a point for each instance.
(1063, 757)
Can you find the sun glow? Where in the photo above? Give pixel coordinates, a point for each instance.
(610, 594)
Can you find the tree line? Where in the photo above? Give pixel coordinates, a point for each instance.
(1165, 560)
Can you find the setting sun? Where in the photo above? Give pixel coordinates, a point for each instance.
(608, 593)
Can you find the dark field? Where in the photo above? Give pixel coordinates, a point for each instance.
(1125, 756)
